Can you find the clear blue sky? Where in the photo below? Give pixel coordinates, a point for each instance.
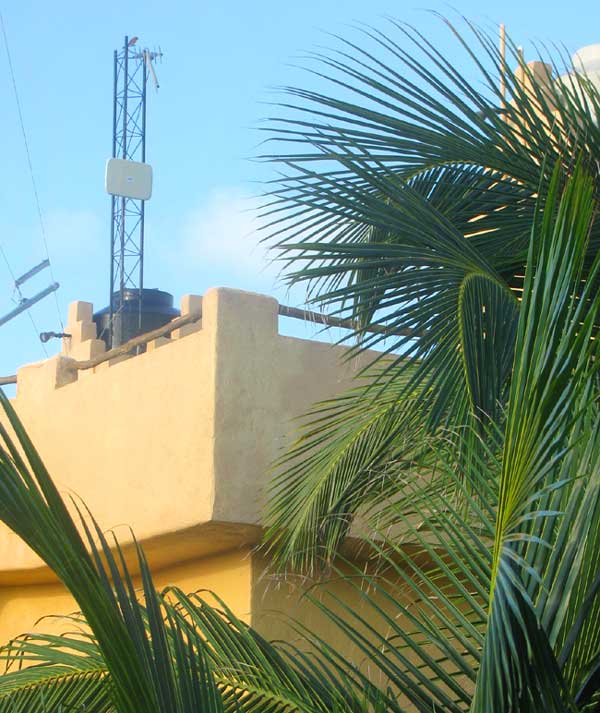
(222, 60)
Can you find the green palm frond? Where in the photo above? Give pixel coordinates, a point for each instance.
(483, 589)
(339, 462)
(56, 690)
(422, 616)
(436, 285)
(254, 673)
(247, 672)
(407, 205)
(550, 395)
(55, 673)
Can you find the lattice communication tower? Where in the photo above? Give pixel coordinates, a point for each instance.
(132, 68)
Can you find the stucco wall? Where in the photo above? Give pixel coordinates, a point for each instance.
(183, 434)
(264, 381)
(176, 442)
(228, 574)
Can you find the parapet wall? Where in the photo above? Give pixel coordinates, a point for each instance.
(175, 442)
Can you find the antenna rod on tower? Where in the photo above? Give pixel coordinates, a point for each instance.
(148, 60)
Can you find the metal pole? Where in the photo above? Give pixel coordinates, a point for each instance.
(30, 273)
(119, 318)
(503, 65)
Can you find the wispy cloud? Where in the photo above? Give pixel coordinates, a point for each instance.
(222, 235)
(219, 242)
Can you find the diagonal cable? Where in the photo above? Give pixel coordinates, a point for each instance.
(30, 165)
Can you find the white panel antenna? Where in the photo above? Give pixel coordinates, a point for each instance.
(128, 179)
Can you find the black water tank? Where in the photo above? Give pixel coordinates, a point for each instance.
(157, 309)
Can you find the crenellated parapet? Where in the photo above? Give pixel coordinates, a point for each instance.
(82, 342)
(179, 437)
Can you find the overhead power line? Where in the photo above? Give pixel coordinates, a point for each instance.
(21, 298)
(31, 173)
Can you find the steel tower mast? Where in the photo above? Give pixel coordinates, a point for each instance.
(132, 66)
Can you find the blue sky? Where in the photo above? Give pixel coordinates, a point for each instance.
(222, 62)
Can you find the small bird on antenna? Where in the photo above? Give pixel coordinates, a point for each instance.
(132, 41)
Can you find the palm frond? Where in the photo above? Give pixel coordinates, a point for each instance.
(483, 591)
(47, 673)
(431, 282)
(421, 615)
(406, 205)
(550, 394)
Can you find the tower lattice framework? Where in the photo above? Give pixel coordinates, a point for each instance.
(131, 68)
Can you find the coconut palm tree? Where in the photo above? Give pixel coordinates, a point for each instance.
(406, 206)
(420, 204)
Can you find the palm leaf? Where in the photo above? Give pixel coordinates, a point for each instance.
(55, 689)
(549, 395)
(55, 673)
(483, 594)
(421, 617)
(435, 285)
(406, 204)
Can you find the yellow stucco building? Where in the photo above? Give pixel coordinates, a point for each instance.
(175, 443)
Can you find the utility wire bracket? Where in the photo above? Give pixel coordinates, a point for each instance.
(30, 273)
(28, 302)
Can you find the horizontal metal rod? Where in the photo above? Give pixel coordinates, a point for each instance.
(4, 380)
(30, 273)
(29, 302)
(319, 318)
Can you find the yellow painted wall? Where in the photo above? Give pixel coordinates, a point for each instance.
(176, 443)
(183, 434)
(279, 603)
(264, 381)
(229, 574)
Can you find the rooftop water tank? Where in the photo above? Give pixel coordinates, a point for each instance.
(156, 309)
(587, 59)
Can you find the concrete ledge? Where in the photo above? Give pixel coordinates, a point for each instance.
(165, 550)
